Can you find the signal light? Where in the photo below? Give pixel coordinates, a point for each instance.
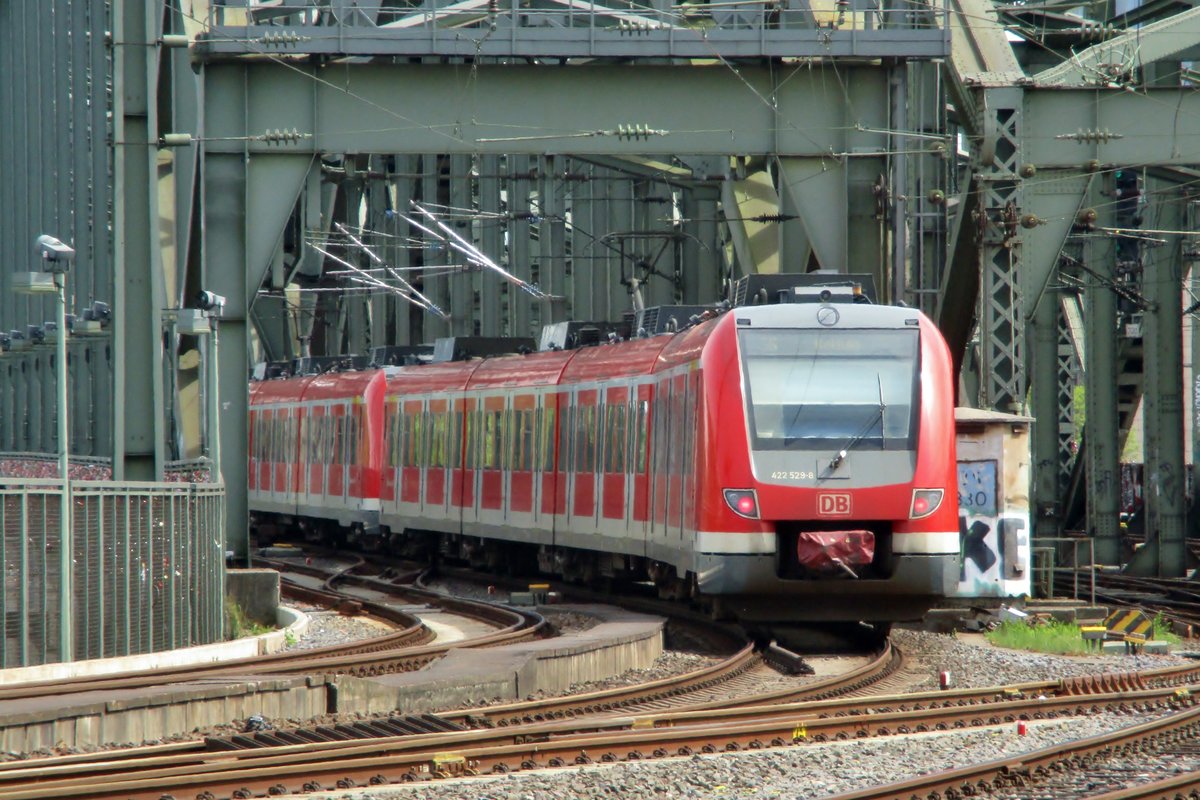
(925, 502)
(743, 502)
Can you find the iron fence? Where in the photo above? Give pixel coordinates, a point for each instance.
(148, 568)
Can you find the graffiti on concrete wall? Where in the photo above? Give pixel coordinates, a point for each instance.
(993, 541)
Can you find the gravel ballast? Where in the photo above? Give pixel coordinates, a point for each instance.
(820, 770)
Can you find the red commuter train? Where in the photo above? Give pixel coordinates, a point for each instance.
(783, 464)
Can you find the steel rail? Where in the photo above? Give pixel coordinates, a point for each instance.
(1022, 770)
(402, 651)
(614, 700)
(401, 759)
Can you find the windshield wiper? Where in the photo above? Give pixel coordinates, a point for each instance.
(878, 416)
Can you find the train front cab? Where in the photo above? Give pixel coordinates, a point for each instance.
(828, 471)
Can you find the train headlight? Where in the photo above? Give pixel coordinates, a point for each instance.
(744, 502)
(925, 502)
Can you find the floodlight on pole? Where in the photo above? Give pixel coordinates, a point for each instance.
(56, 260)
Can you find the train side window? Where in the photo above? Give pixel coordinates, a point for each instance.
(471, 421)
(426, 435)
(439, 440)
(456, 431)
(582, 416)
(497, 454)
(639, 436)
(537, 442)
(323, 438)
(566, 437)
(528, 439)
(331, 439)
(548, 438)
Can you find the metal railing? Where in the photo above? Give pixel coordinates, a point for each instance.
(739, 28)
(149, 568)
(1046, 551)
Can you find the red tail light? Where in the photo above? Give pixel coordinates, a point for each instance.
(925, 502)
(743, 502)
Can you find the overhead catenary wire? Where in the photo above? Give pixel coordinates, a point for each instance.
(414, 297)
(472, 253)
(405, 286)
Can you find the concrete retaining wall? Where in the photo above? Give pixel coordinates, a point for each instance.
(627, 641)
(140, 717)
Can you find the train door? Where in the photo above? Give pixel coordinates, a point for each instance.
(583, 510)
(675, 458)
(279, 467)
(411, 430)
(289, 471)
(335, 488)
(435, 502)
(691, 416)
(388, 483)
(615, 448)
(521, 492)
(660, 426)
(318, 456)
(638, 501)
(564, 438)
(472, 436)
(493, 458)
(545, 465)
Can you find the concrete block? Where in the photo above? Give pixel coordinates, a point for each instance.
(256, 591)
(1154, 646)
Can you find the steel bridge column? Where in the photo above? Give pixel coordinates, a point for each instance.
(552, 263)
(701, 248)
(1191, 253)
(138, 294)
(376, 220)
(1053, 202)
(246, 200)
(489, 233)
(1164, 481)
(8, 404)
(408, 319)
(463, 288)
(1001, 322)
(1100, 427)
(1044, 400)
(520, 242)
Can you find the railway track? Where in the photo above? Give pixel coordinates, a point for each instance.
(189, 772)
(410, 647)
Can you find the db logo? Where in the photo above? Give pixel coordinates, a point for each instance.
(833, 504)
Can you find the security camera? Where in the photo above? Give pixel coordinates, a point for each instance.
(100, 311)
(35, 333)
(57, 255)
(210, 301)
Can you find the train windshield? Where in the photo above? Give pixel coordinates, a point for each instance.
(810, 389)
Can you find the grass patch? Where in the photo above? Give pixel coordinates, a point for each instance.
(1057, 638)
(1060, 638)
(1163, 632)
(238, 625)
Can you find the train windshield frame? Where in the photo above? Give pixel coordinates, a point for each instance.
(811, 389)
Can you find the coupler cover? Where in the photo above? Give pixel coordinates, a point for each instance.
(835, 551)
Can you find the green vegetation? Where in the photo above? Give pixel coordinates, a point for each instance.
(1060, 638)
(238, 625)
(1163, 632)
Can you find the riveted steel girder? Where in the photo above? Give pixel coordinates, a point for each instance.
(586, 110)
(555, 41)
